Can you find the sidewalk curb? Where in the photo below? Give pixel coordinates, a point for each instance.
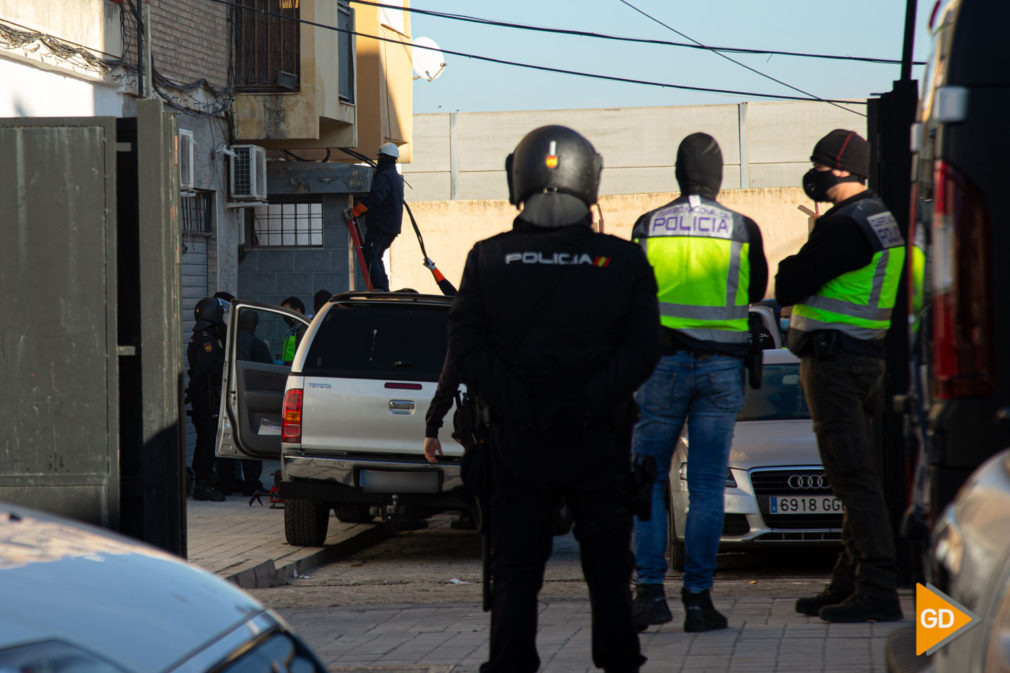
(267, 574)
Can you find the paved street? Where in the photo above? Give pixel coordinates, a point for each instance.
(354, 630)
(766, 636)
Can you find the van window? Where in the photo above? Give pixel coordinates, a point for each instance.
(379, 342)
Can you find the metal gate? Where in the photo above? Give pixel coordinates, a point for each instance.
(90, 369)
(59, 446)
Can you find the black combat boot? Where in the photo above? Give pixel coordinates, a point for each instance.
(204, 491)
(649, 606)
(864, 608)
(700, 614)
(832, 595)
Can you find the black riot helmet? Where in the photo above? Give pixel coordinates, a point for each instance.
(553, 159)
(208, 312)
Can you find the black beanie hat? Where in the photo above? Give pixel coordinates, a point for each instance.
(844, 150)
(699, 165)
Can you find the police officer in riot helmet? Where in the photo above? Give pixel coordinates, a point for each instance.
(205, 354)
(554, 327)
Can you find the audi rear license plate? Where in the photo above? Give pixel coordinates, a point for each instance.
(804, 504)
(391, 481)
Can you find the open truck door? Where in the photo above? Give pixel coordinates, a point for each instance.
(260, 345)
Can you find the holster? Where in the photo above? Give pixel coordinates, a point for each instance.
(754, 360)
(824, 343)
(643, 478)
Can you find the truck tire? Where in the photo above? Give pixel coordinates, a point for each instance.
(305, 522)
(349, 513)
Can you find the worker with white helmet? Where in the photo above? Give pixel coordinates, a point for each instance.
(384, 208)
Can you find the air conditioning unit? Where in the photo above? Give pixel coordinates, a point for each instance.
(187, 181)
(248, 173)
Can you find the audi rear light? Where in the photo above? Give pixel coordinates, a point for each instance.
(291, 421)
(963, 348)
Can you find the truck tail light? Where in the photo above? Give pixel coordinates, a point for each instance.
(291, 421)
(963, 348)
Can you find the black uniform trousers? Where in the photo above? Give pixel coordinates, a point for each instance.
(530, 479)
(843, 392)
(205, 424)
(375, 245)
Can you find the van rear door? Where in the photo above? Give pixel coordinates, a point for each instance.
(255, 374)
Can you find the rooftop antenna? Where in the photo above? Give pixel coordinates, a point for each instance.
(428, 59)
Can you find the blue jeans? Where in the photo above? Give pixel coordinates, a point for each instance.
(707, 390)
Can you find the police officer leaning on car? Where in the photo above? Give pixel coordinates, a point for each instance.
(205, 355)
(842, 286)
(554, 327)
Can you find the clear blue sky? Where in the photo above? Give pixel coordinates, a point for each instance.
(853, 27)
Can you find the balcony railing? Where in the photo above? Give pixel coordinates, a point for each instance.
(267, 45)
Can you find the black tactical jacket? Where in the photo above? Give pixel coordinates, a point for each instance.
(555, 327)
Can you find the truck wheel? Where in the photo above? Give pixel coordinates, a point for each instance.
(305, 522)
(353, 513)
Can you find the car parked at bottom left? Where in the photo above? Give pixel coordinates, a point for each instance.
(79, 599)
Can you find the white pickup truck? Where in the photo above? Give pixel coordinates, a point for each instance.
(346, 419)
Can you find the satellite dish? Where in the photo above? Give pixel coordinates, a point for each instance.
(428, 60)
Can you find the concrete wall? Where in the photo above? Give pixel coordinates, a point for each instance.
(90, 23)
(462, 155)
(385, 87)
(40, 83)
(450, 228)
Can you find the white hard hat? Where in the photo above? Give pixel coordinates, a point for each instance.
(390, 149)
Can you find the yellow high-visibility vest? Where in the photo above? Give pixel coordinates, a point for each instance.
(859, 302)
(699, 251)
(917, 279)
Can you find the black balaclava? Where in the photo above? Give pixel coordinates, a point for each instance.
(699, 165)
(384, 160)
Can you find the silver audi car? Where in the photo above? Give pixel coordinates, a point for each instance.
(78, 599)
(776, 490)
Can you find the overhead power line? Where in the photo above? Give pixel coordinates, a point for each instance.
(733, 60)
(634, 40)
(544, 68)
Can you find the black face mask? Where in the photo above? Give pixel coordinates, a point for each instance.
(817, 183)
